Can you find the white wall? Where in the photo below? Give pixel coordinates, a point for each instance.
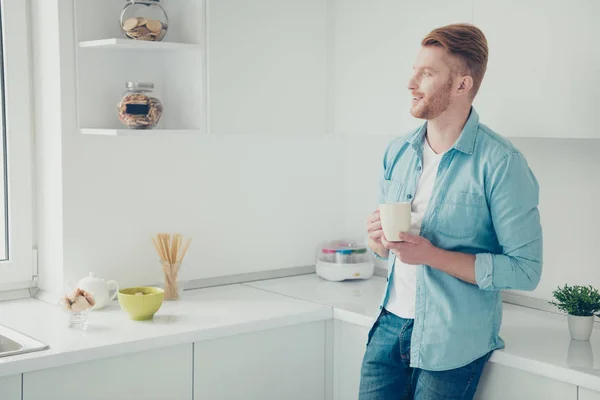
(250, 203)
(255, 202)
(567, 171)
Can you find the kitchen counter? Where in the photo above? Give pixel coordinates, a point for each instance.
(355, 301)
(201, 314)
(536, 341)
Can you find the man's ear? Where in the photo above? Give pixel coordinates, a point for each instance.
(465, 85)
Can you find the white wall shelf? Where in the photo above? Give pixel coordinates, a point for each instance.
(179, 79)
(128, 44)
(140, 132)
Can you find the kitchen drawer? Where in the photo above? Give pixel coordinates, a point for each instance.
(152, 375)
(500, 382)
(587, 394)
(283, 363)
(349, 348)
(10, 387)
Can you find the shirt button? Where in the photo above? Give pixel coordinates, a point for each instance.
(409, 196)
(419, 168)
(380, 307)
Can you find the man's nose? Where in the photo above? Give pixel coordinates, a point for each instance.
(412, 84)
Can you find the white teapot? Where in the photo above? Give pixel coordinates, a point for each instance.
(99, 288)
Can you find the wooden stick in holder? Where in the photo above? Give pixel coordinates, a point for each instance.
(168, 249)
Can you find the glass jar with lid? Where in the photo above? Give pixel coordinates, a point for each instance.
(144, 20)
(139, 107)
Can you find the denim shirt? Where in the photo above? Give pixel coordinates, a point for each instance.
(484, 202)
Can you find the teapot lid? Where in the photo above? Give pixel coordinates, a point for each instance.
(92, 278)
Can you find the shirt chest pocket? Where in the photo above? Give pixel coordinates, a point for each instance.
(460, 215)
(392, 190)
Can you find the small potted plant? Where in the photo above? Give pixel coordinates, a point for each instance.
(581, 304)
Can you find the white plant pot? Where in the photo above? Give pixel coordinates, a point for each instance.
(581, 327)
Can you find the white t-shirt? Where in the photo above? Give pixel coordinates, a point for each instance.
(401, 300)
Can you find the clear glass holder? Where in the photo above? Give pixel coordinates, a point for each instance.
(78, 320)
(173, 285)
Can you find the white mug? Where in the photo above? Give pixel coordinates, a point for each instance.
(395, 218)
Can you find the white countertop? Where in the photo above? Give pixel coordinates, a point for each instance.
(536, 341)
(201, 314)
(354, 301)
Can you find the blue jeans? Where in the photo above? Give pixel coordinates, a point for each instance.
(386, 372)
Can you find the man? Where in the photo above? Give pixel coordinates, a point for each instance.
(475, 230)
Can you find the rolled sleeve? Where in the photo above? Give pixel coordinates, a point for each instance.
(513, 194)
(484, 266)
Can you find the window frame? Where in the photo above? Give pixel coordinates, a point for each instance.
(17, 272)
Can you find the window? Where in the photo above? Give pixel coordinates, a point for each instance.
(4, 246)
(16, 203)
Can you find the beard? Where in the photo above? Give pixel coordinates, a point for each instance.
(438, 103)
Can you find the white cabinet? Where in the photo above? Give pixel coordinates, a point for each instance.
(153, 375)
(374, 46)
(283, 363)
(587, 394)
(349, 348)
(267, 66)
(543, 66)
(500, 382)
(10, 387)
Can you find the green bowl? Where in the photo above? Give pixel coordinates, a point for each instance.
(144, 306)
